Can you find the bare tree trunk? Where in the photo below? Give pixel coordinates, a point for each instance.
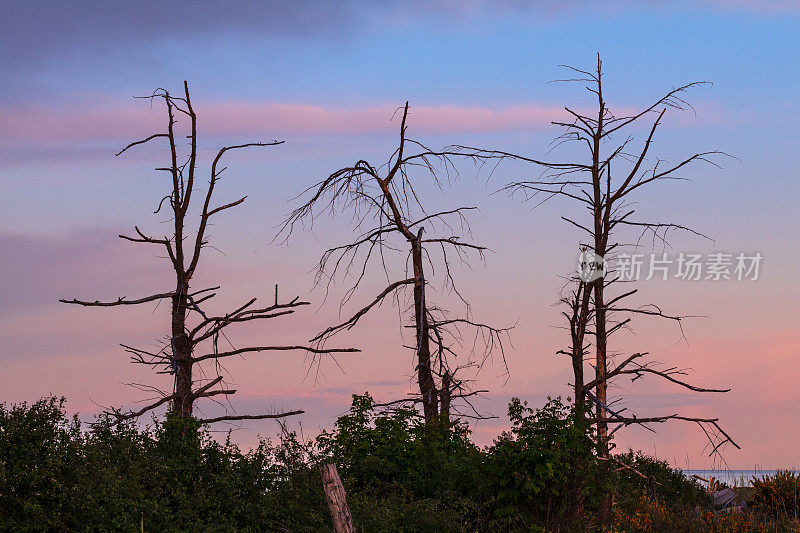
(577, 372)
(579, 317)
(602, 385)
(599, 211)
(337, 499)
(427, 385)
(182, 353)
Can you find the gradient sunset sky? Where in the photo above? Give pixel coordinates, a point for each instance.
(327, 78)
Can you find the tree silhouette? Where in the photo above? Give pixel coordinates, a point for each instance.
(389, 217)
(193, 327)
(592, 310)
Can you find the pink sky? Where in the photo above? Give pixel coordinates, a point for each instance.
(58, 349)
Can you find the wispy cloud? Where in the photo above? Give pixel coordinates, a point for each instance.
(36, 125)
(38, 269)
(39, 131)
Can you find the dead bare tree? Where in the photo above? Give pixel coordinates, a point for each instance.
(389, 216)
(192, 325)
(607, 198)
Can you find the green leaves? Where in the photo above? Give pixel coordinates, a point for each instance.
(544, 470)
(399, 474)
(39, 447)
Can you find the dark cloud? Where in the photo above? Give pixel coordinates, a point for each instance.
(32, 30)
(36, 32)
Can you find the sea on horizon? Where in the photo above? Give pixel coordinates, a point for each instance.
(738, 478)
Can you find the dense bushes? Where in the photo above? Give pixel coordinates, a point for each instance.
(660, 482)
(39, 451)
(778, 495)
(433, 478)
(652, 496)
(53, 477)
(400, 475)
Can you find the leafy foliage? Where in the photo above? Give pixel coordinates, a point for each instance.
(778, 494)
(39, 449)
(400, 474)
(544, 471)
(172, 477)
(403, 474)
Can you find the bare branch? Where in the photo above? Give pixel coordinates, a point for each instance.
(136, 143)
(249, 349)
(350, 322)
(233, 418)
(120, 301)
(121, 417)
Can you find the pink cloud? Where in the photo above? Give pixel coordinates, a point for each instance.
(39, 134)
(19, 126)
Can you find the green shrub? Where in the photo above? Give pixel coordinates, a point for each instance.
(663, 500)
(402, 474)
(778, 495)
(543, 474)
(40, 454)
(170, 476)
(661, 483)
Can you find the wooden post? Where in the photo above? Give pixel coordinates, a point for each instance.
(337, 499)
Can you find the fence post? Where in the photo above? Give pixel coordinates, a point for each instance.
(337, 499)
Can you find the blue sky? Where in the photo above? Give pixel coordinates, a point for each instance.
(355, 52)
